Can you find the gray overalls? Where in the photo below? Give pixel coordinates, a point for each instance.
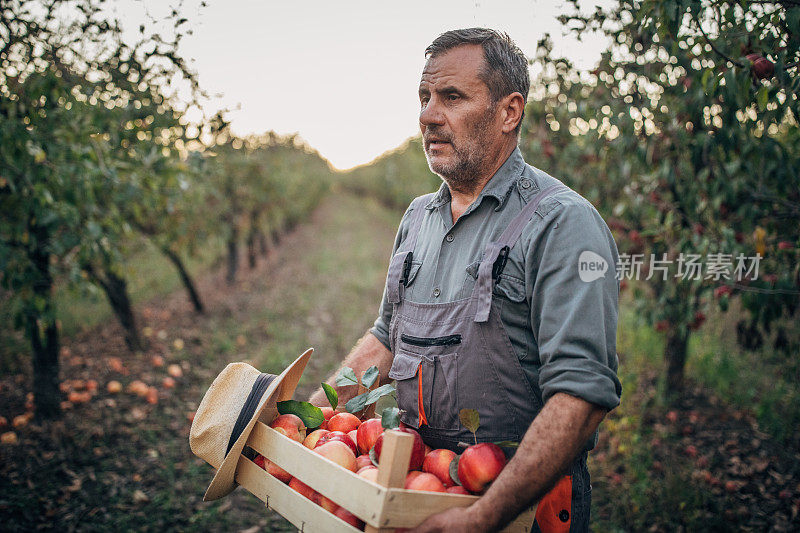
(456, 355)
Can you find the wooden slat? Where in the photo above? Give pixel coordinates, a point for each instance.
(359, 496)
(299, 510)
(409, 508)
(396, 453)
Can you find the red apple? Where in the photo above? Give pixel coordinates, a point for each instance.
(479, 465)
(354, 437)
(438, 463)
(417, 450)
(457, 489)
(370, 473)
(276, 471)
(304, 489)
(362, 461)
(291, 426)
(338, 435)
(312, 438)
(368, 433)
(339, 453)
(344, 422)
(327, 412)
(326, 503)
(349, 517)
(424, 481)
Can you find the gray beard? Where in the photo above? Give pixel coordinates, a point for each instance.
(466, 172)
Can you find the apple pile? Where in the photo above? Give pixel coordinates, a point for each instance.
(356, 445)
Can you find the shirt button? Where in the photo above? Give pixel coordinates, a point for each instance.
(436, 292)
(449, 237)
(525, 183)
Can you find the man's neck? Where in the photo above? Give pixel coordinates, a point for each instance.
(461, 200)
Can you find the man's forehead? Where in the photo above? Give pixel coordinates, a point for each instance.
(462, 63)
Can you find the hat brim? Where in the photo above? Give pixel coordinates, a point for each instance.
(224, 480)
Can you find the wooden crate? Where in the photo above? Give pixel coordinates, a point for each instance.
(383, 506)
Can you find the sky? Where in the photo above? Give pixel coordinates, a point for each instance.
(343, 74)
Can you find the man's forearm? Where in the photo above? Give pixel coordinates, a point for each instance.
(368, 351)
(552, 442)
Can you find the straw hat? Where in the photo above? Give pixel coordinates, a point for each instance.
(229, 411)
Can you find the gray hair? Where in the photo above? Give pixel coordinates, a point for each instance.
(506, 67)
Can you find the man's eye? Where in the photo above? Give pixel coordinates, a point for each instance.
(453, 97)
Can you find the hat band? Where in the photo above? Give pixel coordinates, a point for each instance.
(260, 386)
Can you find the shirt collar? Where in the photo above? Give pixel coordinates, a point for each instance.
(499, 185)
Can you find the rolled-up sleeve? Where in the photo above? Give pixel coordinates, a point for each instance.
(574, 302)
(381, 326)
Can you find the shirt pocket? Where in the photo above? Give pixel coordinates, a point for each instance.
(507, 286)
(427, 385)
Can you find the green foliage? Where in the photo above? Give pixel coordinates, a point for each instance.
(311, 415)
(330, 393)
(395, 178)
(685, 147)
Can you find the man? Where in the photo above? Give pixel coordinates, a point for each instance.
(485, 307)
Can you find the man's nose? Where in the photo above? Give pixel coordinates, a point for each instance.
(431, 114)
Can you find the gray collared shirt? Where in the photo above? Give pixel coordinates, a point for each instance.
(559, 312)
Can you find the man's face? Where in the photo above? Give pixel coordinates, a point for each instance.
(457, 117)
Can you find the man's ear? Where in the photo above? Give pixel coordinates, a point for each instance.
(512, 106)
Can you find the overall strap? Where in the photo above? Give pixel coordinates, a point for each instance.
(501, 247)
(400, 265)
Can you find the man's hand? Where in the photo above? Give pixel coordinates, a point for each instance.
(455, 520)
(552, 442)
(368, 351)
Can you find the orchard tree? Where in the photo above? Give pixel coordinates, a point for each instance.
(686, 138)
(79, 109)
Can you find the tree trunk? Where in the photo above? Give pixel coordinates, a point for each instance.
(116, 289)
(47, 397)
(263, 245)
(233, 256)
(675, 356)
(194, 296)
(252, 255)
(276, 236)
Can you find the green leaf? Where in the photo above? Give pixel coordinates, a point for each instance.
(470, 419)
(763, 98)
(330, 392)
(390, 418)
(354, 405)
(311, 415)
(369, 376)
(372, 457)
(508, 444)
(346, 377)
(454, 470)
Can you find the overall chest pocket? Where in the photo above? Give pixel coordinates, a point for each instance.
(506, 286)
(427, 381)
